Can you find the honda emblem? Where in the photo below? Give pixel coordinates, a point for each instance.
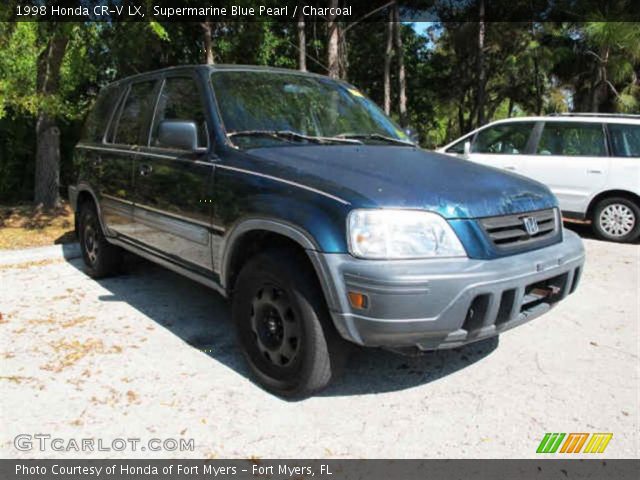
(530, 225)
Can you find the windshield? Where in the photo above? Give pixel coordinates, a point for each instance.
(267, 109)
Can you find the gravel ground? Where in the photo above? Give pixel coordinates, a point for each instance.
(151, 355)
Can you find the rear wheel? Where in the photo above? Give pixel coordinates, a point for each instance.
(616, 219)
(100, 257)
(283, 325)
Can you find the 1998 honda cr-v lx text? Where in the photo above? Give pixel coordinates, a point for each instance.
(296, 197)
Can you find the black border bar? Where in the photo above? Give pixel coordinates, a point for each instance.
(533, 469)
(350, 10)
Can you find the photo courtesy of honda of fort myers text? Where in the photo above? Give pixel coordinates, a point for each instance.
(330, 239)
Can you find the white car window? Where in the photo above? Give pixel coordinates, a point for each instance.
(572, 140)
(625, 140)
(458, 147)
(508, 139)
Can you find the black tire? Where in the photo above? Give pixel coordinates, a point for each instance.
(101, 259)
(283, 325)
(616, 219)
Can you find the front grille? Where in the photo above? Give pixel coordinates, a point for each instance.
(509, 231)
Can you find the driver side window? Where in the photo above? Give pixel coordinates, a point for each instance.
(180, 100)
(505, 139)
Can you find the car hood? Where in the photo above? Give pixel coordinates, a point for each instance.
(407, 177)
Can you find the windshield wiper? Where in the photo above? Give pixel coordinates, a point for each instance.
(290, 136)
(376, 136)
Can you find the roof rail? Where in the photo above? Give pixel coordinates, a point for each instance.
(605, 115)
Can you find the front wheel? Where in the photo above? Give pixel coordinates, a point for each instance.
(617, 219)
(283, 325)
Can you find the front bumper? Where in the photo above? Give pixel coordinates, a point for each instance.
(445, 303)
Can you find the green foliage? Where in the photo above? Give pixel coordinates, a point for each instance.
(17, 138)
(18, 43)
(21, 44)
(531, 68)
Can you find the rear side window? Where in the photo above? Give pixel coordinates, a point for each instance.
(133, 123)
(572, 140)
(457, 147)
(625, 140)
(180, 100)
(509, 139)
(100, 115)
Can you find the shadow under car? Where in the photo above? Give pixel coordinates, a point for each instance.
(202, 318)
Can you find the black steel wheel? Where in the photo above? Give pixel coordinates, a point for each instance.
(275, 326)
(283, 325)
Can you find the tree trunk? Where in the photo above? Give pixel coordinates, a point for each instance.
(47, 184)
(536, 75)
(461, 125)
(402, 81)
(343, 53)
(333, 59)
(480, 66)
(302, 44)
(601, 88)
(536, 72)
(596, 91)
(47, 180)
(207, 31)
(388, 53)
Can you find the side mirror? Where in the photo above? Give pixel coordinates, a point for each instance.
(467, 149)
(412, 134)
(178, 134)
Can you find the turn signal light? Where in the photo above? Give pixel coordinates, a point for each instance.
(358, 300)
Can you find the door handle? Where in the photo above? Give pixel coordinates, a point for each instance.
(145, 169)
(509, 167)
(597, 172)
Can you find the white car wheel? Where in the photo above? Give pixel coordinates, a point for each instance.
(617, 220)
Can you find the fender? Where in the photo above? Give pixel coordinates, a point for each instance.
(293, 232)
(85, 187)
(596, 197)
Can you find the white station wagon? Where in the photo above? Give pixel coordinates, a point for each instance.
(591, 162)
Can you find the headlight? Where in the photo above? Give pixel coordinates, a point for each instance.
(397, 234)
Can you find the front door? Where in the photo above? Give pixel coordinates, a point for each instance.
(504, 145)
(172, 213)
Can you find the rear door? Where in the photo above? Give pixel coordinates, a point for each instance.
(128, 128)
(572, 159)
(89, 152)
(624, 171)
(173, 187)
(504, 145)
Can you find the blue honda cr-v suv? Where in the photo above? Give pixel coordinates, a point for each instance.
(296, 197)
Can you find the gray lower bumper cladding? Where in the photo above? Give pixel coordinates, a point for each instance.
(445, 303)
